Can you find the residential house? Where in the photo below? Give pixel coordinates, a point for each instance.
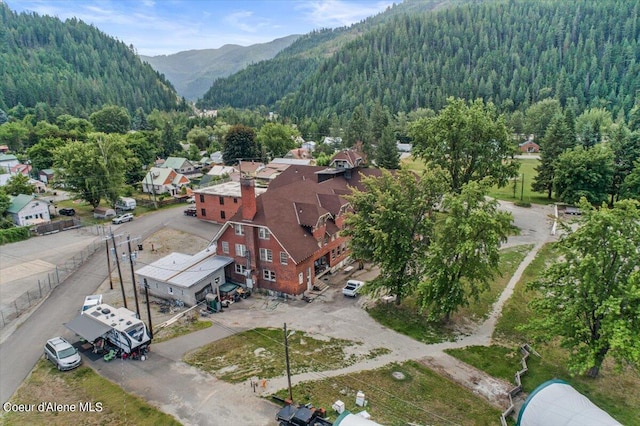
(27, 210)
(180, 165)
(270, 171)
(7, 161)
(219, 203)
(250, 168)
(184, 277)
(299, 154)
(4, 149)
(217, 158)
(529, 145)
(283, 240)
(45, 175)
(164, 180)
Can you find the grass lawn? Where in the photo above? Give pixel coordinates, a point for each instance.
(82, 385)
(260, 352)
(179, 329)
(422, 397)
(407, 319)
(618, 393)
(527, 168)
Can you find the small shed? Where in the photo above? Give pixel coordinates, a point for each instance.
(104, 212)
(556, 403)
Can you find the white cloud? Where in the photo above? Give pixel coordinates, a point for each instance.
(339, 13)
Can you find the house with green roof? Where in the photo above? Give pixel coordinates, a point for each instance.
(180, 165)
(163, 180)
(27, 210)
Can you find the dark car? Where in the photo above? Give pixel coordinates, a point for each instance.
(191, 211)
(67, 212)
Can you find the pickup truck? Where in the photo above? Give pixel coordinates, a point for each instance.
(352, 288)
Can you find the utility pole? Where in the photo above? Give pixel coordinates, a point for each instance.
(133, 277)
(286, 354)
(115, 252)
(146, 295)
(522, 188)
(106, 241)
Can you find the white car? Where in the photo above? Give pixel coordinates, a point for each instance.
(127, 217)
(352, 288)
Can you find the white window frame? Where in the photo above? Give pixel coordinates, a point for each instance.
(240, 269)
(239, 229)
(269, 275)
(263, 233)
(241, 250)
(266, 255)
(284, 258)
(225, 247)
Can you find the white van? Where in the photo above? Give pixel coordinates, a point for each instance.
(125, 203)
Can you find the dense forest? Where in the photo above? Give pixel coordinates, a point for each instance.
(73, 68)
(511, 53)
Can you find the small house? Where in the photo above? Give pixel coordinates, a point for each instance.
(164, 180)
(180, 165)
(529, 146)
(27, 210)
(188, 278)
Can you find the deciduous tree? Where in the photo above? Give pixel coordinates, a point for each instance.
(582, 172)
(590, 296)
(111, 119)
(19, 184)
(240, 143)
(277, 139)
(464, 255)
(469, 141)
(392, 226)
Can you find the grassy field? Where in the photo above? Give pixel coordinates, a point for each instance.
(421, 397)
(179, 329)
(260, 352)
(82, 385)
(514, 191)
(407, 319)
(618, 393)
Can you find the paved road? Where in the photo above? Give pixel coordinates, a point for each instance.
(20, 350)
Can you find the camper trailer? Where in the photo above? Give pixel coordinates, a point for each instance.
(119, 327)
(125, 203)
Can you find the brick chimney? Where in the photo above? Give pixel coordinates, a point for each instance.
(248, 194)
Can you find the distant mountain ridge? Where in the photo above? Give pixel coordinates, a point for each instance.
(192, 72)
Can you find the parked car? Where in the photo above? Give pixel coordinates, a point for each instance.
(67, 212)
(191, 200)
(127, 217)
(191, 211)
(62, 354)
(352, 288)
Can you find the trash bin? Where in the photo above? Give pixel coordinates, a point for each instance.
(139, 246)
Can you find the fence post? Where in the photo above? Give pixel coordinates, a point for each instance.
(28, 298)
(57, 274)
(16, 306)
(40, 288)
(49, 278)
(2, 315)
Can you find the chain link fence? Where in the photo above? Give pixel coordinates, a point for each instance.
(42, 285)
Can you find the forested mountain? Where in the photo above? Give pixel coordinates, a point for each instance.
(513, 53)
(73, 67)
(192, 72)
(268, 81)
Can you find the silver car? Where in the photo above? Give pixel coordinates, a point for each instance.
(62, 354)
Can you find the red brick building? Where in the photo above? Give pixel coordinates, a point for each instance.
(283, 239)
(219, 203)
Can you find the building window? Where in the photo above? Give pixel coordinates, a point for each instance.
(170, 290)
(263, 233)
(333, 253)
(284, 258)
(240, 269)
(239, 229)
(266, 255)
(203, 212)
(241, 250)
(225, 247)
(300, 278)
(269, 275)
(221, 199)
(235, 200)
(223, 215)
(201, 198)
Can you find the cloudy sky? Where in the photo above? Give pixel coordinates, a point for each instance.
(162, 27)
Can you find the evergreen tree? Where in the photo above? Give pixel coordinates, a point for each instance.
(240, 144)
(557, 139)
(387, 156)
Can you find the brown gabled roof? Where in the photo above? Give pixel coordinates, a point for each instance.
(297, 188)
(353, 157)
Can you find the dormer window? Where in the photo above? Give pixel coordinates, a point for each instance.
(239, 229)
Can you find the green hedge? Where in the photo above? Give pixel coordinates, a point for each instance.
(12, 235)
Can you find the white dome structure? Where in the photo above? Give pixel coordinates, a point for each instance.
(556, 403)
